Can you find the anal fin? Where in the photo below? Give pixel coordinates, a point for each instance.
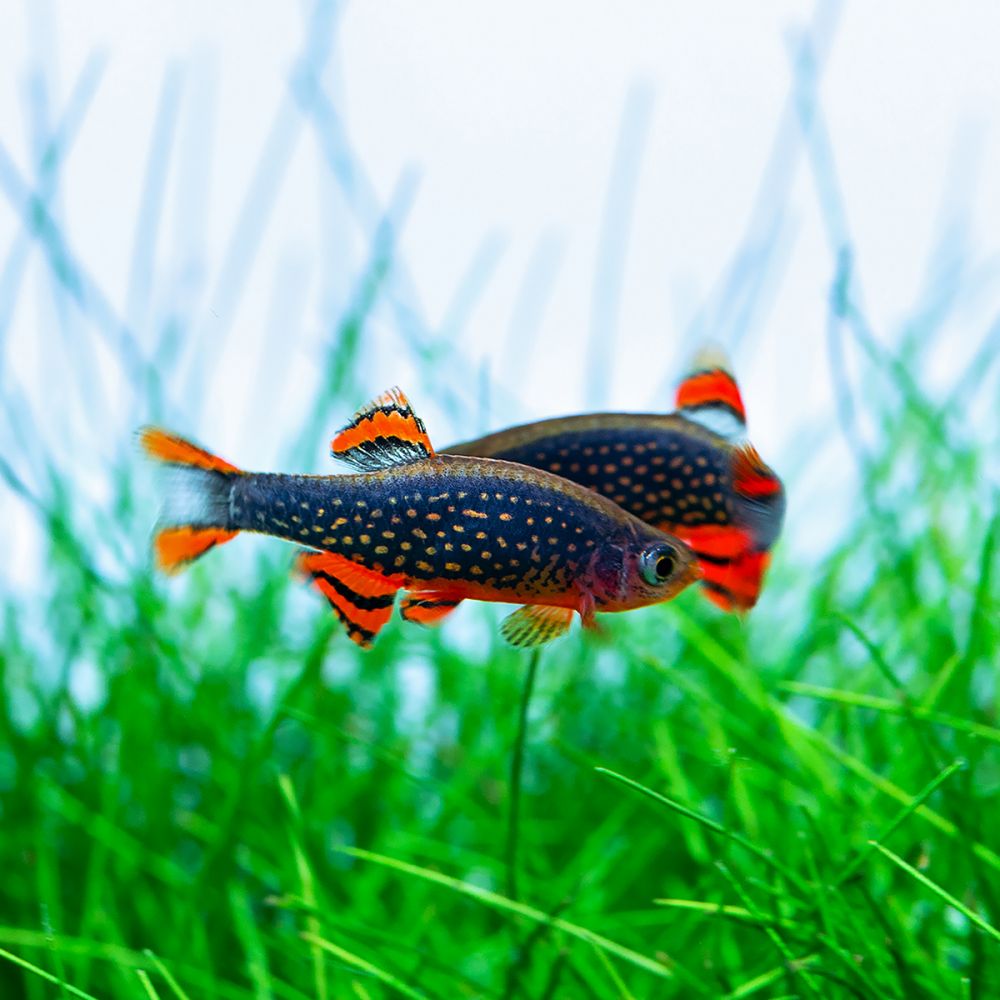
(535, 624)
(427, 607)
(360, 597)
(732, 569)
(735, 584)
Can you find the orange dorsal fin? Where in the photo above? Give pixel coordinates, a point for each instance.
(386, 432)
(176, 547)
(361, 598)
(709, 395)
(427, 607)
(171, 448)
(751, 477)
(535, 624)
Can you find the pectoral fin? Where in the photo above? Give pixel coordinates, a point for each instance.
(535, 624)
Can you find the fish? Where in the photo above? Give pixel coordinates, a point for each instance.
(442, 528)
(691, 473)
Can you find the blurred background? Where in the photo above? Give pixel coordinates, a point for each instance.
(530, 213)
(242, 220)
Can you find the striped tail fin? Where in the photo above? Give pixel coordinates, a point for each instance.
(196, 503)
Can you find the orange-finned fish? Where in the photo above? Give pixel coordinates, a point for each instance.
(690, 473)
(443, 528)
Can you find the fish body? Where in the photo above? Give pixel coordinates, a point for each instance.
(462, 527)
(689, 473)
(444, 528)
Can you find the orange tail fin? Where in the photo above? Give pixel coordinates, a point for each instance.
(175, 450)
(196, 509)
(176, 547)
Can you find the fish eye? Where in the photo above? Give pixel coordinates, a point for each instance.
(658, 563)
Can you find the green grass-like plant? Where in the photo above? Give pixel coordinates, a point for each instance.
(207, 791)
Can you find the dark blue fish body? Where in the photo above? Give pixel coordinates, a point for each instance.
(445, 528)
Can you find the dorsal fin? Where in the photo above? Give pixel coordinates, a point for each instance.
(385, 432)
(710, 396)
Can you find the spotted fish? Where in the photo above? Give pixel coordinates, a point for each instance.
(690, 473)
(441, 527)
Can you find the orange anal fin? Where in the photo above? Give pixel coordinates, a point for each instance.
(176, 547)
(384, 433)
(735, 584)
(732, 569)
(535, 624)
(167, 447)
(361, 598)
(427, 608)
(719, 596)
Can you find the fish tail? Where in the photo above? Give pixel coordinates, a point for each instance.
(196, 514)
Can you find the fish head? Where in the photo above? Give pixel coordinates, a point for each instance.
(638, 567)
